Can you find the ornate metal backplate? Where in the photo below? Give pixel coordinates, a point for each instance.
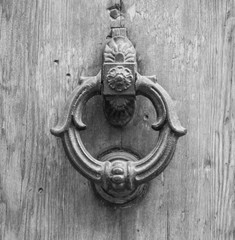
(119, 76)
(119, 177)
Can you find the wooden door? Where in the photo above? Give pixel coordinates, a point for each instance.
(46, 45)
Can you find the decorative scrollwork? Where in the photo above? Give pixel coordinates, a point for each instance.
(118, 73)
(120, 176)
(119, 48)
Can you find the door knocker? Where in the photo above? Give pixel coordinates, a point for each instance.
(119, 177)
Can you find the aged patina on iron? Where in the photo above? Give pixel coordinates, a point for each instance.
(118, 76)
(118, 176)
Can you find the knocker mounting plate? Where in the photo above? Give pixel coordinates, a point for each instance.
(119, 177)
(119, 76)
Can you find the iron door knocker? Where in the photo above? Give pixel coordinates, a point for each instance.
(119, 177)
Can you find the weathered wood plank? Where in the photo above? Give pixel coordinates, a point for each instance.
(45, 46)
(189, 45)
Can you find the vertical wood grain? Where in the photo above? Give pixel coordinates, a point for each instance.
(45, 46)
(189, 45)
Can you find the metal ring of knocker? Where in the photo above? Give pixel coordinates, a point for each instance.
(119, 177)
